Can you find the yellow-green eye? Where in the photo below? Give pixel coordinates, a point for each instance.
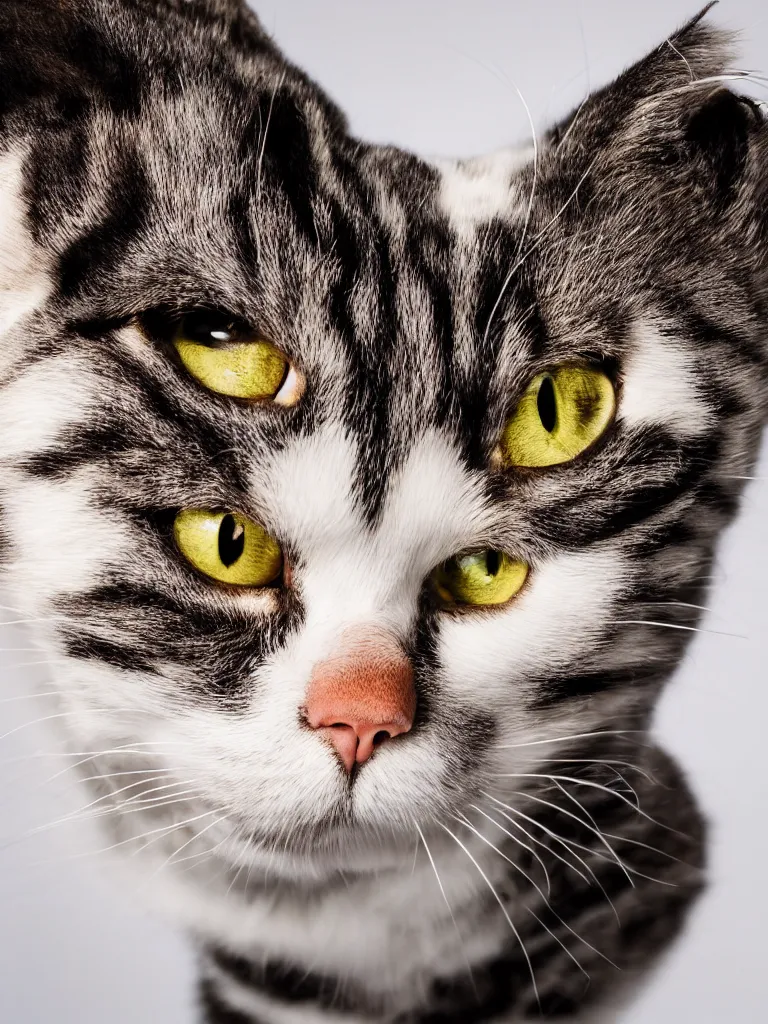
(229, 359)
(228, 547)
(480, 578)
(561, 414)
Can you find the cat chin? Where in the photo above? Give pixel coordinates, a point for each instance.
(319, 852)
(343, 865)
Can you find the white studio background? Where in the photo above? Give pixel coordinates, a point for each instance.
(442, 77)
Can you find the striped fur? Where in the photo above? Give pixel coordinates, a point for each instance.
(161, 155)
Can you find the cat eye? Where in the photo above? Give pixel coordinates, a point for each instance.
(228, 547)
(562, 413)
(230, 359)
(480, 578)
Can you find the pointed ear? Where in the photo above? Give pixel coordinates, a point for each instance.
(232, 20)
(235, 16)
(672, 109)
(691, 58)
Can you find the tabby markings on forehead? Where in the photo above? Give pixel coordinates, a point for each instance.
(473, 192)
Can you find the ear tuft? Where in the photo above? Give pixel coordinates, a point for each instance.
(702, 49)
(234, 17)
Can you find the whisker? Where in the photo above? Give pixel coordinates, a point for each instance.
(467, 824)
(680, 604)
(575, 736)
(553, 835)
(534, 245)
(445, 899)
(76, 818)
(498, 899)
(675, 625)
(209, 852)
(609, 763)
(519, 842)
(590, 785)
(190, 821)
(528, 211)
(165, 829)
(559, 941)
(591, 828)
(76, 815)
(576, 936)
(70, 714)
(27, 696)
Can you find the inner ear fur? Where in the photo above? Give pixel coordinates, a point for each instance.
(717, 134)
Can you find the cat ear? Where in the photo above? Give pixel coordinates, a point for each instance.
(673, 109)
(234, 16)
(692, 57)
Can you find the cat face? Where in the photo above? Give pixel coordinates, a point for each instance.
(269, 419)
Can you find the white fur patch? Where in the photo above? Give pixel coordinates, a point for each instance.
(660, 385)
(473, 192)
(50, 396)
(25, 279)
(561, 612)
(61, 541)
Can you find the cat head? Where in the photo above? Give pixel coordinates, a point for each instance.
(342, 486)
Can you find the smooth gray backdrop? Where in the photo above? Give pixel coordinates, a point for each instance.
(440, 77)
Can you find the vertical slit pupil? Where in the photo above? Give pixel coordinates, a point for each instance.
(492, 562)
(546, 403)
(231, 540)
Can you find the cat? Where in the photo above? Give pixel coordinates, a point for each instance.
(365, 504)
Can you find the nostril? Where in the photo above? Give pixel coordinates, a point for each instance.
(380, 737)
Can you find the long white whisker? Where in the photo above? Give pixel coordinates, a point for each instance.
(604, 761)
(70, 714)
(445, 898)
(157, 832)
(528, 211)
(552, 835)
(589, 785)
(558, 940)
(498, 899)
(591, 828)
(463, 820)
(519, 842)
(95, 815)
(675, 625)
(575, 736)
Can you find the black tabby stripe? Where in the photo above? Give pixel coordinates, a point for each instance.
(606, 510)
(79, 447)
(104, 246)
(555, 691)
(126, 656)
(290, 984)
(218, 647)
(217, 1012)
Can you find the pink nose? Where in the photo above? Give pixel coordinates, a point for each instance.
(362, 695)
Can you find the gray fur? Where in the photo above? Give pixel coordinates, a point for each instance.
(157, 157)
